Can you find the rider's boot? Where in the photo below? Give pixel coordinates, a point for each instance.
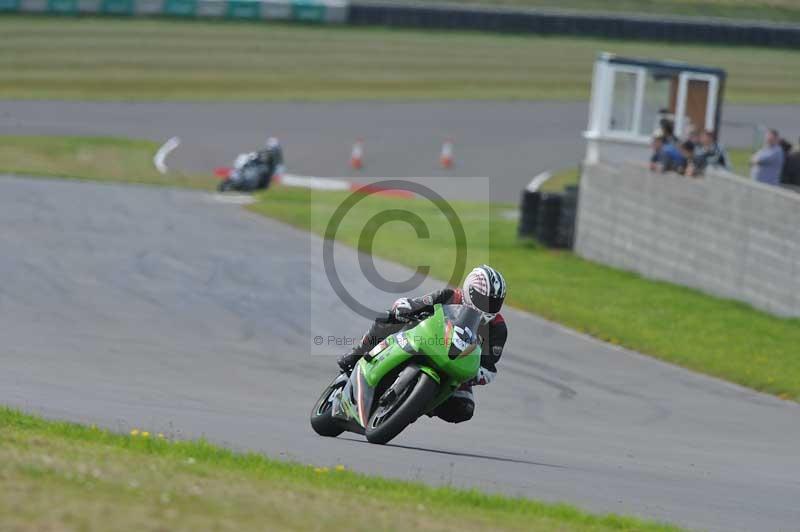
(377, 332)
(348, 361)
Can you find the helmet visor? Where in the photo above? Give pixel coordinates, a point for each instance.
(484, 303)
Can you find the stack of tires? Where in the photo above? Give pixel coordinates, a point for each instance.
(565, 233)
(549, 217)
(529, 209)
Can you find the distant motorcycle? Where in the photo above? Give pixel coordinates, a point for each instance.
(405, 376)
(248, 174)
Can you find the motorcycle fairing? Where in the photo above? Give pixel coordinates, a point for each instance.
(450, 350)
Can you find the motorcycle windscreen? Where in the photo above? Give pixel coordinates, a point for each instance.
(462, 323)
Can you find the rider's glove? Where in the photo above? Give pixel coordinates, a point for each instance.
(401, 310)
(483, 377)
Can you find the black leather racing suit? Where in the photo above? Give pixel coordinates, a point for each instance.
(271, 158)
(461, 405)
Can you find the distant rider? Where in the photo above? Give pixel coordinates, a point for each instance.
(483, 289)
(271, 157)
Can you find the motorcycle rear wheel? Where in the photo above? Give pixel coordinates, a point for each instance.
(322, 421)
(390, 420)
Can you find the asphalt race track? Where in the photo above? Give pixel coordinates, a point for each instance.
(130, 306)
(509, 142)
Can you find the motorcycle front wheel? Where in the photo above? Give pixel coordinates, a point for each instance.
(322, 421)
(391, 419)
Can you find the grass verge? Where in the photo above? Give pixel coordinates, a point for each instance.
(93, 158)
(718, 337)
(56, 475)
(114, 59)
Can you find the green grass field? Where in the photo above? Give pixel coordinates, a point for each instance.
(93, 158)
(114, 59)
(61, 476)
(718, 337)
(775, 10)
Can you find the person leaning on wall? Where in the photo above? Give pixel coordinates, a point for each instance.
(710, 151)
(666, 156)
(694, 163)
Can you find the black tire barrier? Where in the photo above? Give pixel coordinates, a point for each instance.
(547, 218)
(528, 213)
(676, 29)
(565, 234)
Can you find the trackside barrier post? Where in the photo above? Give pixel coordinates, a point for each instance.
(317, 11)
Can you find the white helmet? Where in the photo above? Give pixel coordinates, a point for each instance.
(485, 289)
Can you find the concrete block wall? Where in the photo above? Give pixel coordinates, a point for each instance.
(722, 234)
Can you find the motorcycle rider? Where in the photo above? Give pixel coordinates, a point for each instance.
(483, 289)
(271, 157)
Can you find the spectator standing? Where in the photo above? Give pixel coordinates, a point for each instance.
(767, 162)
(791, 167)
(710, 152)
(786, 146)
(668, 130)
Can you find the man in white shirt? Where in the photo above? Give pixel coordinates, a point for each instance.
(767, 162)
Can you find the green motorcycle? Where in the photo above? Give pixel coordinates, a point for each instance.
(407, 375)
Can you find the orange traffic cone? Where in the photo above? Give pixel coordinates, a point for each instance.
(357, 155)
(446, 158)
